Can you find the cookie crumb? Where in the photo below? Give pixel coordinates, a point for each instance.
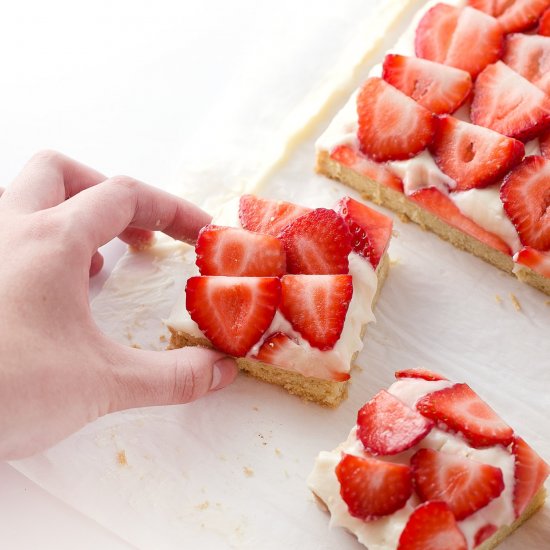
(135, 346)
(498, 298)
(394, 261)
(162, 338)
(515, 301)
(278, 452)
(395, 233)
(248, 472)
(203, 505)
(121, 458)
(255, 408)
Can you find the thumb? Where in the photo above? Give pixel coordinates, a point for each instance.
(145, 378)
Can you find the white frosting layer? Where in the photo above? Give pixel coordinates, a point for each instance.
(383, 533)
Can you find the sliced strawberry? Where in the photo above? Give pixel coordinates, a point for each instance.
(525, 195)
(509, 104)
(530, 473)
(280, 350)
(317, 243)
(444, 30)
(233, 312)
(372, 488)
(473, 156)
(392, 126)
(239, 253)
(425, 374)
(460, 409)
(370, 230)
(535, 259)
(442, 206)
(439, 88)
(464, 484)
(316, 306)
(386, 426)
(268, 216)
(484, 533)
(544, 143)
(432, 526)
(544, 23)
(529, 55)
(359, 163)
(513, 15)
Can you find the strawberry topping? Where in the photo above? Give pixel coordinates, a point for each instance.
(386, 426)
(513, 15)
(362, 165)
(432, 526)
(525, 194)
(439, 88)
(317, 243)
(544, 23)
(444, 30)
(460, 409)
(372, 488)
(392, 126)
(509, 104)
(233, 312)
(535, 259)
(239, 253)
(442, 206)
(268, 216)
(316, 306)
(473, 156)
(544, 143)
(484, 533)
(464, 484)
(370, 230)
(425, 374)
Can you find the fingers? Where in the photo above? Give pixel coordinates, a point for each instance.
(103, 212)
(136, 237)
(96, 264)
(146, 378)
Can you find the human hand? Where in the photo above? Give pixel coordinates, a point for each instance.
(57, 370)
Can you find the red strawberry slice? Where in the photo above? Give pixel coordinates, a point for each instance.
(268, 216)
(392, 126)
(509, 104)
(544, 23)
(473, 156)
(460, 409)
(425, 374)
(535, 259)
(432, 526)
(280, 350)
(444, 30)
(233, 312)
(439, 88)
(386, 426)
(372, 488)
(513, 15)
(465, 485)
(316, 306)
(484, 533)
(239, 253)
(362, 165)
(544, 143)
(529, 55)
(442, 206)
(525, 195)
(370, 230)
(317, 243)
(530, 472)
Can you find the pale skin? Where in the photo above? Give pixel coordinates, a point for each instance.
(57, 370)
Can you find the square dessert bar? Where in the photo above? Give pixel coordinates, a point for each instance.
(429, 466)
(453, 131)
(287, 290)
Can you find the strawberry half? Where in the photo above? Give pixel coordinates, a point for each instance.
(440, 88)
(530, 473)
(535, 259)
(372, 488)
(444, 30)
(509, 104)
(425, 374)
(370, 230)
(442, 206)
(268, 216)
(233, 312)
(316, 306)
(484, 533)
(460, 409)
(529, 55)
(544, 23)
(317, 243)
(514, 15)
(239, 253)
(386, 426)
(544, 143)
(473, 156)
(432, 526)
(392, 126)
(348, 156)
(464, 484)
(280, 350)
(525, 195)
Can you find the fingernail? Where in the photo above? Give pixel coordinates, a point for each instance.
(223, 373)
